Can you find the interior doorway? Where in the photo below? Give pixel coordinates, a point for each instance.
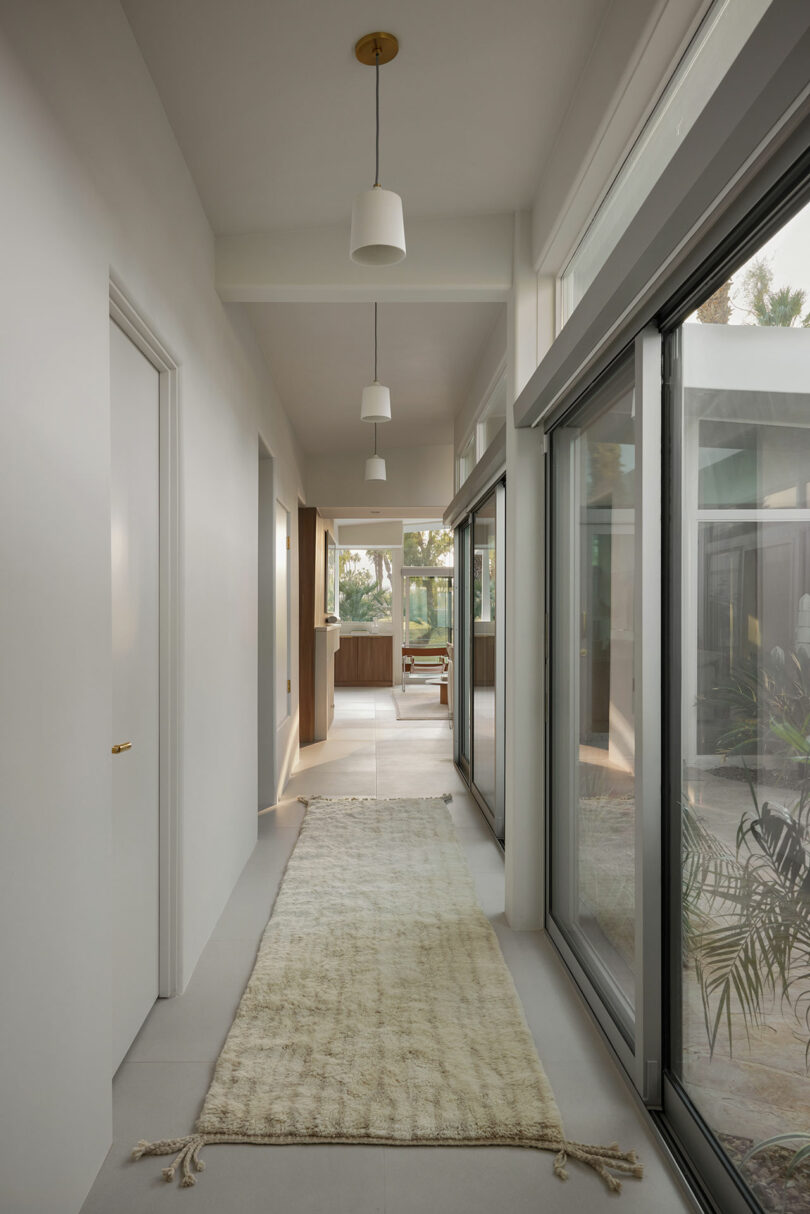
(144, 539)
(135, 590)
(265, 689)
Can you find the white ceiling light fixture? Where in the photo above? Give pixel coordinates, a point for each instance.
(378, 229)
(375, 464)
(375, 405)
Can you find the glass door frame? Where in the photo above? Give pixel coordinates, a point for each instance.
(495, 814)
(681, 1121)
(464, 711)
(423, 571)
(462, 640)
(638, 1049)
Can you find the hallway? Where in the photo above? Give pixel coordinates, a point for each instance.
(160, 1086)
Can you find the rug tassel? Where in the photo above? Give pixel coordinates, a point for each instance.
(604, 1161)
(187, 1157)
(447, 797)
(303, 800)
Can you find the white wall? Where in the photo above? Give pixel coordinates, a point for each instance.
(489, 368)
(93, 180)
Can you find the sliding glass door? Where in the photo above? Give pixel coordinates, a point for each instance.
(463, 649)
(605, 626)
(480, 654)
(738, 1088)
(487, 775)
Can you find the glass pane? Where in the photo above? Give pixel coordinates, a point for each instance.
(462, 652)
(428, 609)
(365, 585)
(431, 546)
(745, 990)
(593, 734)
(484, 649)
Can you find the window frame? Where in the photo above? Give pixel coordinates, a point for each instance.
(681, 1123)
(639, 1050)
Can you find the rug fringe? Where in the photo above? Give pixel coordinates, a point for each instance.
(603, 1160)
(187, 1156)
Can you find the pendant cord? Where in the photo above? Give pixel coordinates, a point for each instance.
(375, 342)
(375, 438)
(377, 144)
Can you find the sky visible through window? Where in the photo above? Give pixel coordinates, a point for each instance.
(787, 255)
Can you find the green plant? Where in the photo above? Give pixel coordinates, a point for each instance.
(361, 596)
(767, 700)
(801, 1155)
(751, 936)
(780, 306)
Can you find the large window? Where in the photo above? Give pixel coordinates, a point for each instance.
(741, 368)
(604, 599)
(717, 43)
(427, 604)
(593, 894)
(365, 590)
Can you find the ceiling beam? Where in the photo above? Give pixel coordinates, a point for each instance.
(468, 259)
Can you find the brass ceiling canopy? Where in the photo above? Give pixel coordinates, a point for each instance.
(370, 45)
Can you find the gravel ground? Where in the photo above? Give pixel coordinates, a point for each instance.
(765, 1175)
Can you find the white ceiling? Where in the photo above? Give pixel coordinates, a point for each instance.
(321, 356)
(275, 116)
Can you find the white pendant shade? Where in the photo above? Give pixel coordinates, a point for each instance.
(375, 405)
(375, 468)
(378, 229)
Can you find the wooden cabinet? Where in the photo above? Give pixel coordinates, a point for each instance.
(346, 662)
(364, 662)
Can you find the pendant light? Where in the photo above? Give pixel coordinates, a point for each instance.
(378, 229)
(375, 405)
(375, 464)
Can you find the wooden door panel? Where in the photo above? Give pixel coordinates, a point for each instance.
(374, 661)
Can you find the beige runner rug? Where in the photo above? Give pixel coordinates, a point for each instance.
(380, 1009)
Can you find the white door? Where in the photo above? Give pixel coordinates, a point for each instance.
(282, 614)
(134, 440)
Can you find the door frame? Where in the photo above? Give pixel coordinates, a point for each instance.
(143, 336)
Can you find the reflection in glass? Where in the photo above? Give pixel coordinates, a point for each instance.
(593, 733)
(484, 650)
(745, 992)
(428, 609)
(462, 651)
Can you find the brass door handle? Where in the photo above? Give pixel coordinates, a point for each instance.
(121, 746)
